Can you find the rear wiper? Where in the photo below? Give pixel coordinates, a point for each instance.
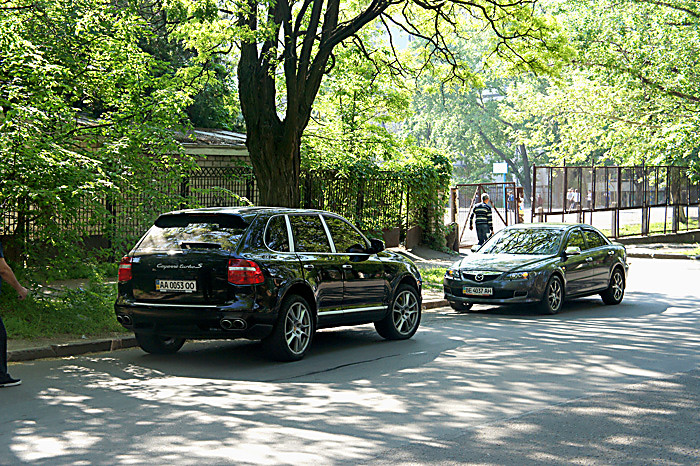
(199, 245)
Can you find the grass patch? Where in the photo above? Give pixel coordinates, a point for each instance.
(88, 310)
(635, 229)
(432, 278)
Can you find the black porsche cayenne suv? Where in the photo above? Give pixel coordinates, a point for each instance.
(269, 274)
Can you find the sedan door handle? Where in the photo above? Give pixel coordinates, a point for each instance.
(308, 266)
(347, 266)
(589, 259)
(610, 253)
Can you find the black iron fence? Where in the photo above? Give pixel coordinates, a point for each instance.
(116, 221)
(622, 200)
(372, 203)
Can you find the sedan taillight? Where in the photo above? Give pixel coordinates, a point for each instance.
(125, 269)
(244, 272)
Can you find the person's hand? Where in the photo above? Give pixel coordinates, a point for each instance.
(471, 227)
(22, 293)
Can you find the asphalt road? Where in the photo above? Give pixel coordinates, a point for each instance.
(592, 385)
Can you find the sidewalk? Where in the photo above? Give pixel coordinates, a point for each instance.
(664, 251)
(426, 258)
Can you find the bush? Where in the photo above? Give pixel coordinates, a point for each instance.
(47, 312)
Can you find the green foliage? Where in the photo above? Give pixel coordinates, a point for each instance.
(357, 107)
(432, 278)
(87, 309)
(86, 115)
(424, 174)
(630, 94)
(354, 133)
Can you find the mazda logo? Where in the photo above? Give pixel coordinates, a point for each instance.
(479, 277)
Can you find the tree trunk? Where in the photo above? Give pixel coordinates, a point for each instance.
(678, 212)
(525, 178)
(276, 161)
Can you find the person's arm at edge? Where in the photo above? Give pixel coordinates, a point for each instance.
(8, 275)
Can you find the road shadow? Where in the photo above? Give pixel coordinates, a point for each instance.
(355, 395)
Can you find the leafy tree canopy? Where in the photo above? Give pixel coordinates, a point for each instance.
(83, 107)
(284, 49)
(630, 95)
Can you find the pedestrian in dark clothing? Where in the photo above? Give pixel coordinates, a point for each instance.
(483, 217)
(8, 275)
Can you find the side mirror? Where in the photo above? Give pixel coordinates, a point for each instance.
(377, 245)
(476, 247)
(572, 251)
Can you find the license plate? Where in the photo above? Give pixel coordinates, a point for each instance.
(176, 286)
(477, 291)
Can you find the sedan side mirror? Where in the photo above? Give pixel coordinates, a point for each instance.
(572, 251)
(377, 245)
(476, 247)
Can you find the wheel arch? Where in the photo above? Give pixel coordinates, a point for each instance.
(304, 290)
(405, 279)
(562, 276)
(622, 269)
(409, 280)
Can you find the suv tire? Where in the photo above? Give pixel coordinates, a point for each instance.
(403, 318)
(158, 344)
(293, 332)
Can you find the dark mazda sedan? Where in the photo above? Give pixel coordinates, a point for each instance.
(269, 274)
(539, 263)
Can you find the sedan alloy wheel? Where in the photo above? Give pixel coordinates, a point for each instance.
(553, 296)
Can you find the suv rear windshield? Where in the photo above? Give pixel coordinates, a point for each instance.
(182, 234)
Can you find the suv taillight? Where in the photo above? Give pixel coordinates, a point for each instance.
(125, 269)
(244, 272)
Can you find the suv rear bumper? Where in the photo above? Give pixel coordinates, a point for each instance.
(194, 322)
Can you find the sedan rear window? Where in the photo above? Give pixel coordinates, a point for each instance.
(193, 236)
(538, 241)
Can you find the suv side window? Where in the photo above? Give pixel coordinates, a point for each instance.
(576, 240)
(594, 239)
(309, 234)
(276, 235)
(345, 237)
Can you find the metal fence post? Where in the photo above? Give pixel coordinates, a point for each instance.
(564, 192)
(645, 206)
(453, 205)
(184, 190)
(533, 201)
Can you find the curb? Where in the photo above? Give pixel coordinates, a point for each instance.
(96, 346)
(70, 349)
(435, 304)
(661, 255)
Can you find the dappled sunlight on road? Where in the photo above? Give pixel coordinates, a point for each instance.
(357, 395)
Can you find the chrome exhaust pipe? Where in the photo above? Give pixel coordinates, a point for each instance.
(233, 324)
(120, 319)
(239, 324)
(126, 320)
(226, 324)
